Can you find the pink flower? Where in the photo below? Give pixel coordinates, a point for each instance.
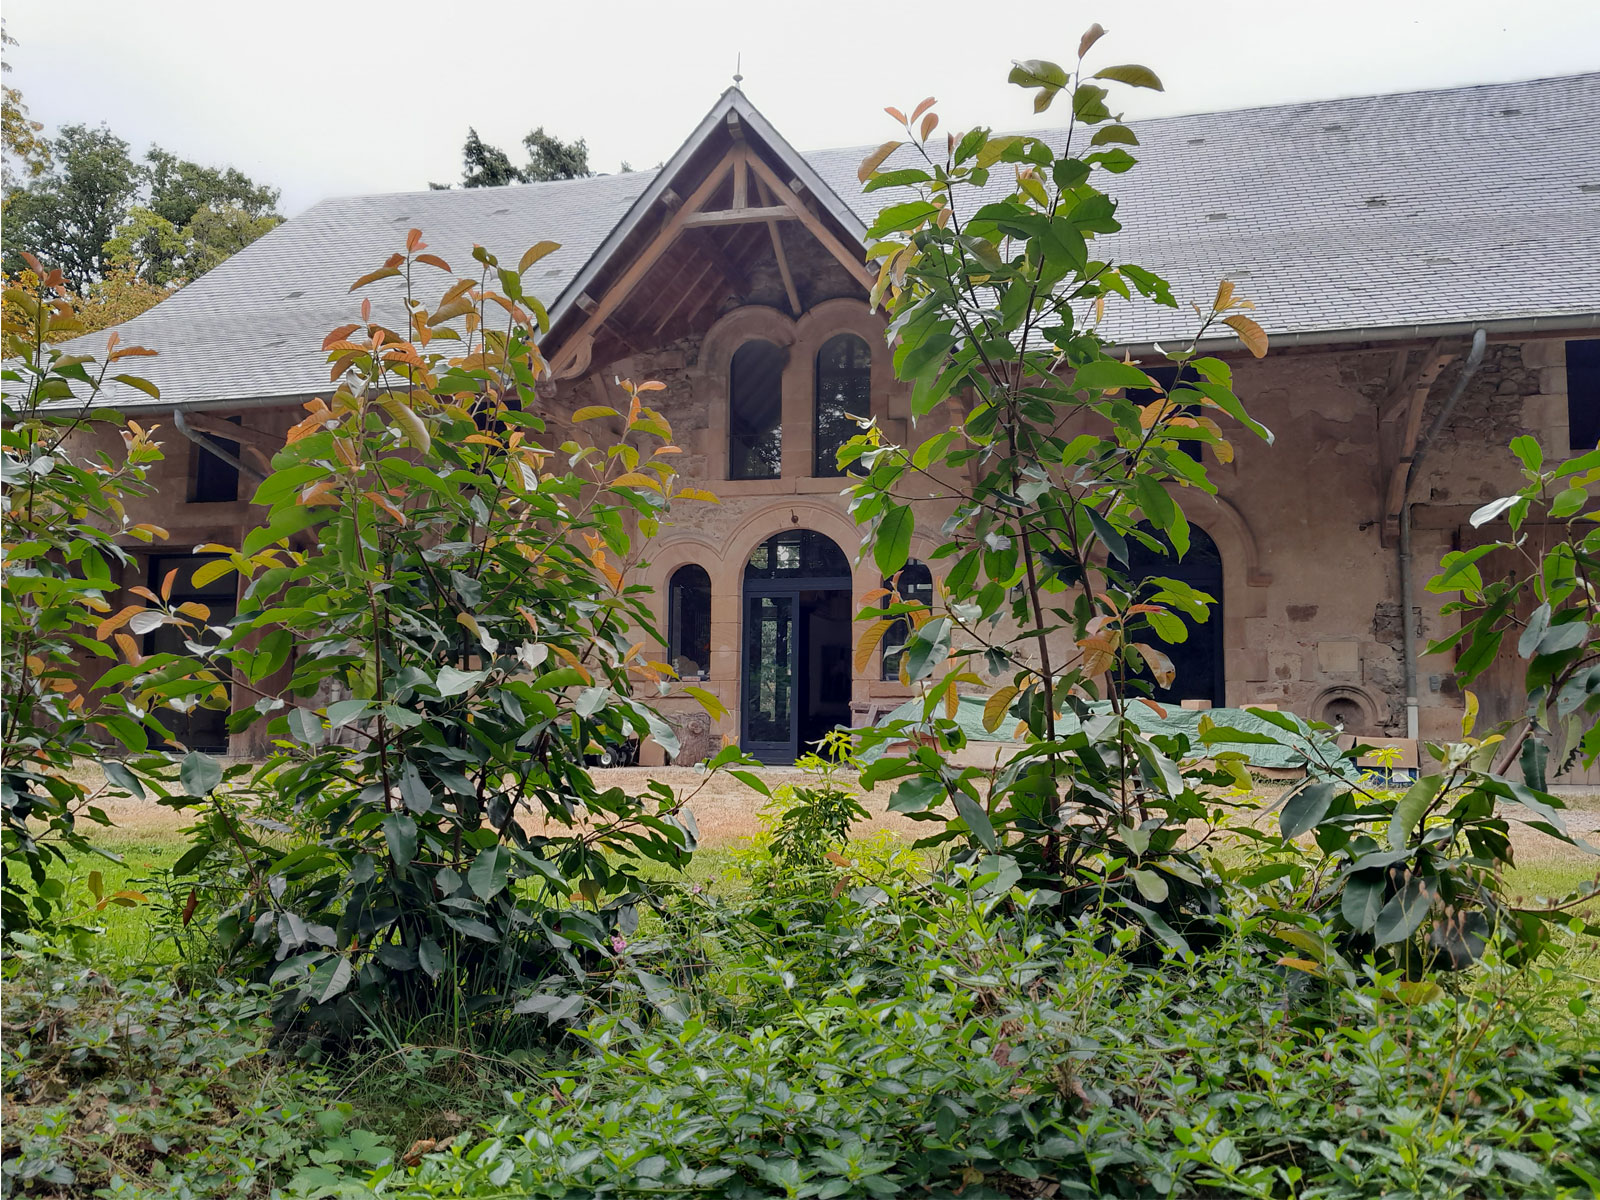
(618, 943)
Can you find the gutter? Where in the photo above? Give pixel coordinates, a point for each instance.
(1408, 629)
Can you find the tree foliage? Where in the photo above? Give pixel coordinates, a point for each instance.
(483, 165)
(996, 296)
(25, 152)
(440, 595)
(66, 513)
(94, 212)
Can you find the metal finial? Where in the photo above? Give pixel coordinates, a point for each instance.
(738, 63)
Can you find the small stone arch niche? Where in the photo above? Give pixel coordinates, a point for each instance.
(1347, 707)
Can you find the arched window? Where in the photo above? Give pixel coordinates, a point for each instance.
(689, 622)
(844, 392)
(755, 412)
(914, 585)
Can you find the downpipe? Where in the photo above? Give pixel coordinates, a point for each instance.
(1407, 627)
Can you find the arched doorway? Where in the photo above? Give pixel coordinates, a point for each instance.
(796, 675)
(1197, 662)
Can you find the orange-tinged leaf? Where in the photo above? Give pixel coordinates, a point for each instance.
(382, 502)
(111, 624)
(534, 253)
(1224, 296)
(922, 108)
(635, 479)
(193, 608)
(433, 260)
(373, 277)
(166, 584)
(1090, 36)
(870, 640)
(129, 648)
(871, 163)
(994, 710)
(1152, 706)
(590, 411)
(1252, 335)
(929, 124)
(414, 240)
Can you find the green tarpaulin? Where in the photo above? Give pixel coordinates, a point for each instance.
(1290, 752)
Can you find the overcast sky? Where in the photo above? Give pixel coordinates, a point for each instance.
(331, 97)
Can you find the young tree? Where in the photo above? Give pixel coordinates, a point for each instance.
(996, 297)
(66, 510)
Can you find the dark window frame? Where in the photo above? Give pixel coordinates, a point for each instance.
(896, 636)
(214, 480)
(679, 587)
(1583, 394)
(751, 370)
(852, 384)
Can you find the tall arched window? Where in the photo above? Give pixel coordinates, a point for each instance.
(689, 622)
(914, 585)
(844, 392)
(755, 411)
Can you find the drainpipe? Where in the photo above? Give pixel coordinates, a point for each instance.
(210, 444)
(1408, 631)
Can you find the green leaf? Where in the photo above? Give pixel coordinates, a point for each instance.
(400, 832)
(1363, 899)
(453, 682)
(1533, 757)
(1306, 808)
(1039, 73)
(892, 546)
(1107, 374)
(306, 727)
(1401, 917)
(1538, 622)
(120, 777)
(1151, 886)
(977, 820)
(1410, 809)
(430, 957)
(487, 875)
(418, 798)
(1132, 75)
(199, 774)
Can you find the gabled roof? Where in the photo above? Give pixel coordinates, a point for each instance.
(1478, 204)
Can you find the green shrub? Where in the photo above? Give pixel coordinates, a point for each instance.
(953, 1041)
(144, 1091)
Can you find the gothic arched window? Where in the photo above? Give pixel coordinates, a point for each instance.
(755, 411)
(844, 392)
(689, 622)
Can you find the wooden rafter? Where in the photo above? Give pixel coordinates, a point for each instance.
(683, 294)
(783, 259)
(853, 262)
(779, 203)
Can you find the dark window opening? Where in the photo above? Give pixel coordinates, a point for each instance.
(844, 393)
(200, 728)
(215, 480)
(755, 411)
(1167, 377)
(798, 554)
(1198, 666)
(1583, 393)
(689, 622)
(914, 585)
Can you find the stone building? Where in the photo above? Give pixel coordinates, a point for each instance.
(1375, 235)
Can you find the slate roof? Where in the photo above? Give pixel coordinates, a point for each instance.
(1379, 212)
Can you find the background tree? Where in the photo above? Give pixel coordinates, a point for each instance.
(22, 144)
(483, 165)
(73, 208)
(125, 233)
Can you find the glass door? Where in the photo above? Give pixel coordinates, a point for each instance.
(769, 677)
